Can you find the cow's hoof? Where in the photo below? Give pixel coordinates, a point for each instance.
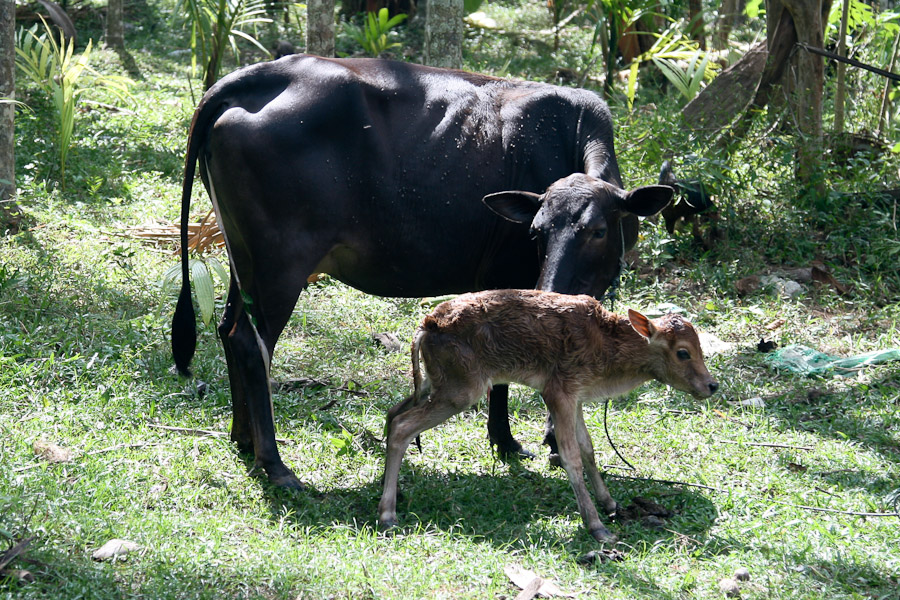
(554, 460)
(513, 450)
(387, 523)
(287, 481)
(604, 536)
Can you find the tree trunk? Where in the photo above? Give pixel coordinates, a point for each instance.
(9, 211)
(841, 87)
(810, 17)
(443, 33)
(695, 12)
(886, 99)
(320, 27)
(799, 76)
(115, 30)
(728, 12)
(728, 94)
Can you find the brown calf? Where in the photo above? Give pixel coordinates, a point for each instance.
(567, 347)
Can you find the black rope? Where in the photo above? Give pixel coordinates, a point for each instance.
(611, 296)
(609, 439)
(849, 61)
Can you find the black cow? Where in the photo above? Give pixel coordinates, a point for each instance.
(399, 180)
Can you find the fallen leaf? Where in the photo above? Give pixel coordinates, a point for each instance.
(51, 452)
(776, 324)
(389, 341)
(20, 575)
(526, 581)
(600, 556)
(795, 468)
(115, 549)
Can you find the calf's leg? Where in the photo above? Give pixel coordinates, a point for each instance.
(601, 493)
(406, 421)
(563, 409)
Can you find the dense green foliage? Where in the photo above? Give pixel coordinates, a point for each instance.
(85, 365)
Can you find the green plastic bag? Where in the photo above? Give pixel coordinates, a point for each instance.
(804, 360)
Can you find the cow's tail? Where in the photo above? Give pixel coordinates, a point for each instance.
(184, 322)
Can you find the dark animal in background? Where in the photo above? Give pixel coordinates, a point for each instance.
(693, 199)
(399, 180)
(283, 48)
(567, 347)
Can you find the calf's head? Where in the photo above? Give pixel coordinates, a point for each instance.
(674, 356)
(582, 226)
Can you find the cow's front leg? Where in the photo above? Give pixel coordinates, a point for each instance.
(250, 378)
(499, 432)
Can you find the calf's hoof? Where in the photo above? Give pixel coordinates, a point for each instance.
(386, 523)
(604, 536)
(554, 460)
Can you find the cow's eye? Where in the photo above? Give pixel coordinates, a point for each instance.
(599, 233)
(683, 355)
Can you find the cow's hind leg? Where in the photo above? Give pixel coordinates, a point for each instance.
(499, 432)
(240, 422)
(249, 372)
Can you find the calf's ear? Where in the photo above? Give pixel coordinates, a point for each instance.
(647, 200)
(518, 207)
(641, 324)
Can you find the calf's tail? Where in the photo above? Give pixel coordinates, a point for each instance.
(417, 370)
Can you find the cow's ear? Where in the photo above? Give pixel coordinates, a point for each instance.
(647, 200)
(641, 324)
(518, 207)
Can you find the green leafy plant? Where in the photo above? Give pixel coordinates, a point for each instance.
(217, 24)
(687, 81)
(672, 49)
(202, 270)
(64, 77)
(373, 35)
(611, 19)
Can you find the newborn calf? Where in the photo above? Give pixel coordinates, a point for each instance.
(567, 347)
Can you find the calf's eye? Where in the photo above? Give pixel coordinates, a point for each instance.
(683, 355)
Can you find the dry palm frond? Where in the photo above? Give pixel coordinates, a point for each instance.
(202, 237)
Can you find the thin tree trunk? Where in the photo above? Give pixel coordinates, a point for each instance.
(806, 104)
(9, 210)
(886, 99)
(841, 88)
(115, 30)
(727, 13)
(443, 33)
(320, 27)
(695, 11)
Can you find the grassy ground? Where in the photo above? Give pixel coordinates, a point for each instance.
(88, 399)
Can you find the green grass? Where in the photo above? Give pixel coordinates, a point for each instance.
(85, 364)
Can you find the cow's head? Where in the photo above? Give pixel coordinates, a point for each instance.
(582, 226)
